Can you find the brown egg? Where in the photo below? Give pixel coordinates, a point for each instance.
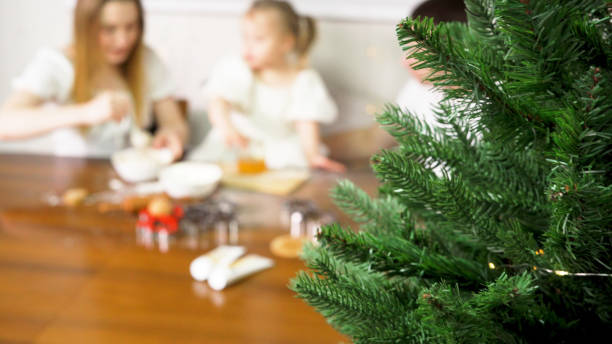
(134, 204)
(160, 206)
(74, 197)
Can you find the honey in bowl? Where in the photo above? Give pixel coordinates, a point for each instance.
(251, 165)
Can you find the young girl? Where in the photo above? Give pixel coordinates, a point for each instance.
(419, 95)
(270, 98)
(102, 87)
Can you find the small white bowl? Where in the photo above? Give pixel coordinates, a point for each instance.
(190, 179)
(136, 165)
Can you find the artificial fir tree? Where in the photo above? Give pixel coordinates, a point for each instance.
(512, 241)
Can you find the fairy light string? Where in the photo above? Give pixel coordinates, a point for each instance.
(561, 273)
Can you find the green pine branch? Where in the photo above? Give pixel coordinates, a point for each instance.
(398, 257)
(474, 216)
(385, 215)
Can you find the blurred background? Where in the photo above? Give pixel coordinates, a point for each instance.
(356, 52)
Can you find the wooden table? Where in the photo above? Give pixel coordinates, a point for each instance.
(76, 276)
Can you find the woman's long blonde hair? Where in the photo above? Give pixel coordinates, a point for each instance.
(87, 56)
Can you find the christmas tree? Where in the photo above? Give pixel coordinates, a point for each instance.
(496, 225)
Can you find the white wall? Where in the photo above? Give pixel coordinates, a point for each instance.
(25, 26)
(360, 60)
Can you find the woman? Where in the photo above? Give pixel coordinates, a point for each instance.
(104, 88)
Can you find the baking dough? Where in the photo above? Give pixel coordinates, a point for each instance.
(286, 246)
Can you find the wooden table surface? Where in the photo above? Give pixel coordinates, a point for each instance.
(76, 275)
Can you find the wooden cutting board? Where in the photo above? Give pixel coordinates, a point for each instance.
(276, 182)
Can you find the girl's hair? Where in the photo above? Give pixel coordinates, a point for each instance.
(442, 11)
(303, 28)
(87, 55)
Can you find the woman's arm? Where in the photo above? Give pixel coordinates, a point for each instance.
(310, 138)
(219, 116)
(173, 132)
(23, 114)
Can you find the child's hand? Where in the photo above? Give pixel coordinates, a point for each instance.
(167, 138)
(107, 106)
(233, 138)
(325, 163)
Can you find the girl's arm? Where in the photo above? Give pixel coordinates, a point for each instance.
(219, 116)
(23, 116)
(173, 132)
(310, 139)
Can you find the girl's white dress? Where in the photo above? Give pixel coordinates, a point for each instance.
(264, 114)
(50, 76)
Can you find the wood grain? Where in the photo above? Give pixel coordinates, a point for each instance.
(76, 275)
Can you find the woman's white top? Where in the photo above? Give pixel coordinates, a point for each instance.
(50, 76)
(265, 114)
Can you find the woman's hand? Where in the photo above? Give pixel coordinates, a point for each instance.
(172, 132)
(325, 163)
(107, 106)
(23, 116)
(169, 139)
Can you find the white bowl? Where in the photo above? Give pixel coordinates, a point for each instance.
(136, 165)
(190, 179)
